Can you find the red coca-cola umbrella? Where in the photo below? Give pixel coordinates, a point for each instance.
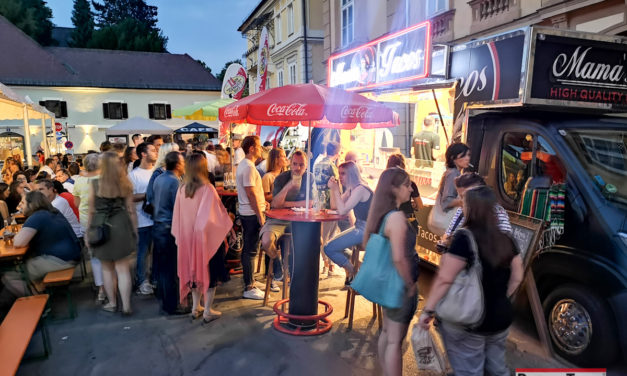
(311, 105)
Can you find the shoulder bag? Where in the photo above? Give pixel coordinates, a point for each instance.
(463, 303)
(377, 279)
(98, 234)
(439, 220)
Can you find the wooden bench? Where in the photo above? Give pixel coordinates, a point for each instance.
(17, 329)
(61, 279)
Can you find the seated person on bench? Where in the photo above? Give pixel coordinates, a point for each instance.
(51, 241)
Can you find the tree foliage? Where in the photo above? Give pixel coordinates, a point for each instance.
(33, 17)
(129, 35)
(127, 25)
(83, 20)
(112, 12)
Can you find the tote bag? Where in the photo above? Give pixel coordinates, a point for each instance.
(377, 279)
(463, 303)
(439, 220)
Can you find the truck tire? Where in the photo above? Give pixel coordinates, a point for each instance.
(581, 326)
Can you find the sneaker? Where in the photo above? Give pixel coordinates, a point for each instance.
(274, 286)
(145, 289)
(254, 294)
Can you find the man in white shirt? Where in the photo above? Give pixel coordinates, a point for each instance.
(49, 166)
(212, 160)
(252, 206)
(240, 154)
(140, 177)
(46, 186)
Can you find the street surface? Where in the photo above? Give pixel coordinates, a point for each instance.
(240, 343)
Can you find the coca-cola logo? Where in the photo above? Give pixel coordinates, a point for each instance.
(575, 66)
(361, 112)
(232, 111)
(294, 109)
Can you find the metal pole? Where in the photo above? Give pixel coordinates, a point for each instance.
(45, 139)
(27, 152)
(309, 153)
(437, 106)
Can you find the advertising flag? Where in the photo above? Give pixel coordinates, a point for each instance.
(263, 57)
(234, 81)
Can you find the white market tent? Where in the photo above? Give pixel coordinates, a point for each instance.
(15, 107)
(138, 125)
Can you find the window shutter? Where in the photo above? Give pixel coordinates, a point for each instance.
(151, 111)
(63, 109)
(105, 110)
(124, 111)
(168, 111)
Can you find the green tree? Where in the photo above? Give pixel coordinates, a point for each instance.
(127, 25)
(129, 35)
(33, 17)
(83, 20)
(111, 12)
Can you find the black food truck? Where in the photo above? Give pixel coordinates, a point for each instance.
(541, 111)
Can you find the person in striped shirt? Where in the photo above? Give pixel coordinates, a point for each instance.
(463, 183)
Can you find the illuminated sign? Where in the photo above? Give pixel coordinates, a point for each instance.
(399, 57)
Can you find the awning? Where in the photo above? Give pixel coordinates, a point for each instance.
(202, 110)
(138, 125)
(196, 128)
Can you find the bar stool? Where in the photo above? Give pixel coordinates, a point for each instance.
(286, 245)
(350, 294)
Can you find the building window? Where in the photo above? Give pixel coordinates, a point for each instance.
(277, 29)
(115, 110)
(436, 6)
(280, 78)
(290, 19)
(292, 72)
(159, 111)
(347, 22)
(59, 108)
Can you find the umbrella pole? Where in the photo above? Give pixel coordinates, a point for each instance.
(309, 154)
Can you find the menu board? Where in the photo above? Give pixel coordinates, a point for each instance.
(525, 231)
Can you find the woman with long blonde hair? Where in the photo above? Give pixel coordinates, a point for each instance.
(111, 208)
(199, 223)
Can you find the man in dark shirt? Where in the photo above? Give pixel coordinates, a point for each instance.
(424, 142)
(165, 188)
(290, 189)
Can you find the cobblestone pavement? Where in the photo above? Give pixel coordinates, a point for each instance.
(242, 342)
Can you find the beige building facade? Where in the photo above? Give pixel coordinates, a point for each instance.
(295, 37)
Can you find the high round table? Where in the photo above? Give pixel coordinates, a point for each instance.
(306, 235)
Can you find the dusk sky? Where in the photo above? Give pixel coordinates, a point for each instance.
(204, 29)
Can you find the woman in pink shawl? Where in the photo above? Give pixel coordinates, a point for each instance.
(199, 224)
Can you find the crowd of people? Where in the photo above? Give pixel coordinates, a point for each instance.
(153, 208)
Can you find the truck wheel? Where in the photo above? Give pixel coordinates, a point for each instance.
(581, 326)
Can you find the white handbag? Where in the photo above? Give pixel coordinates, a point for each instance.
(439, 220)
(463, 303)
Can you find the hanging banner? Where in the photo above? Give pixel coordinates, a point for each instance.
(234, 81)
(263, 57)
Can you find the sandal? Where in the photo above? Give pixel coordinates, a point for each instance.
(110, 308)
(196, 313)
(214, 315)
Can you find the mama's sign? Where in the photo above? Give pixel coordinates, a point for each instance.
(399, 57)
